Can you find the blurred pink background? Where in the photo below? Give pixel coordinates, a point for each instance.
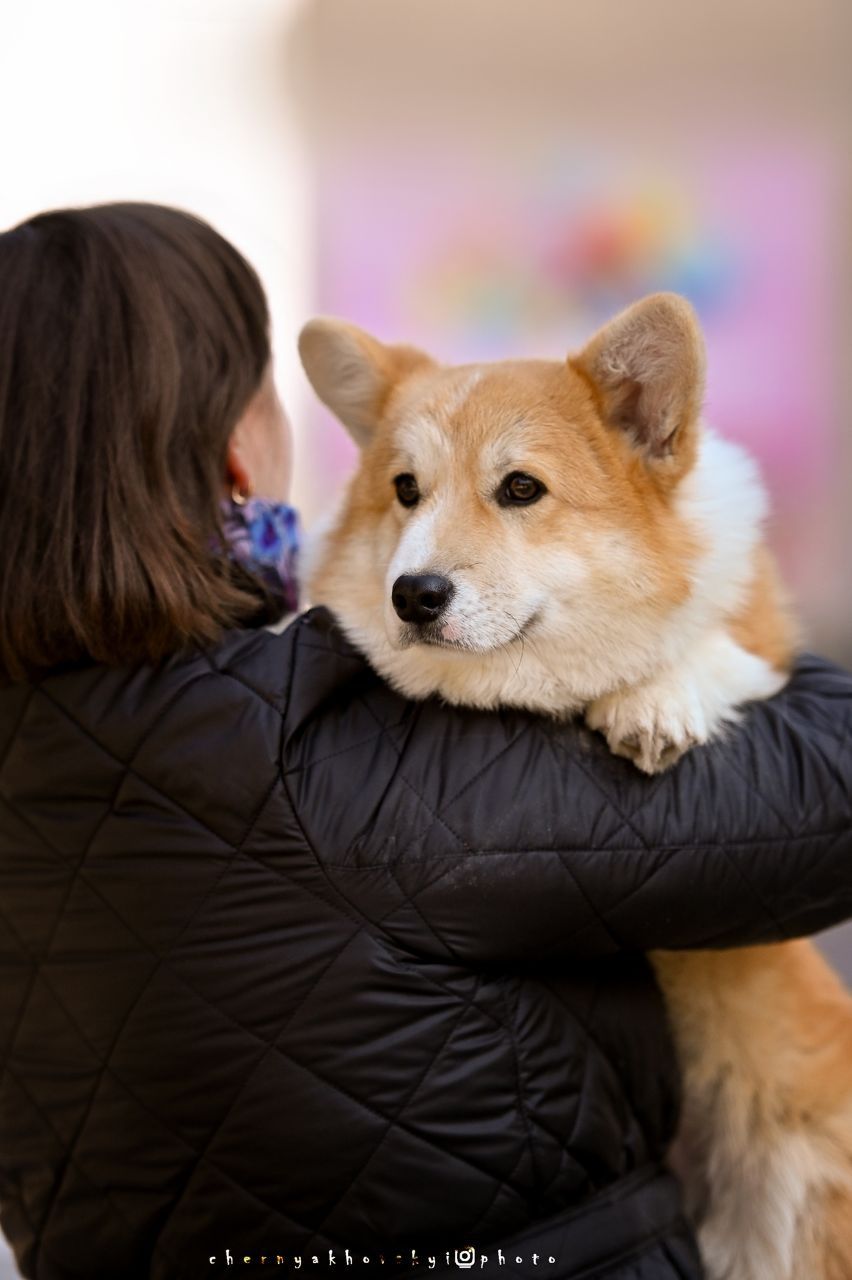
(494, 179)
(478, 261)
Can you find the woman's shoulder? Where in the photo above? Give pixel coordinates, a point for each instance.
(192, 744)
(302, 657)
(247, 663)
(200, 729)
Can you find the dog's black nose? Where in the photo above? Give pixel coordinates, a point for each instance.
(421, 597)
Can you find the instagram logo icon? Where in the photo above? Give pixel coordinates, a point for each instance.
(465, 1258)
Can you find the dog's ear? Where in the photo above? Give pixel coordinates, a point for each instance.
(647, 367)
(353, 373)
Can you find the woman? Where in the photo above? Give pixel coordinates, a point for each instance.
(296, 973)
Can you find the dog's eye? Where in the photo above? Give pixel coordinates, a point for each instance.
(406, 489)
(519, 490)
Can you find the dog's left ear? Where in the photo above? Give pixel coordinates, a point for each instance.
(353, 373)
(647, 367)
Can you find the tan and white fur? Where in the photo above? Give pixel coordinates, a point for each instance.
(624, 576)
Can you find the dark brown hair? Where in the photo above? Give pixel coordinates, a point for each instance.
(132, 336)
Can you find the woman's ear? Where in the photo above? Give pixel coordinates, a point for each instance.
(353, 373)
(237, 475)
(258, 454)
(647, 368)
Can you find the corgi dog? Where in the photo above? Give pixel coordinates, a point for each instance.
(569, 537)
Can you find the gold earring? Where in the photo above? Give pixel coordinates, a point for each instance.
(239, 496)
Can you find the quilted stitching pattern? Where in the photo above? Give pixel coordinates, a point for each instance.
(289, 963)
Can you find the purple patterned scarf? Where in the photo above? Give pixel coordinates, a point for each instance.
(263, 536)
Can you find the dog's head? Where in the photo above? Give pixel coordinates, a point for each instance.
(510, 505)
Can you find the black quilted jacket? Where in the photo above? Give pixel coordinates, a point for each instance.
(289, 965)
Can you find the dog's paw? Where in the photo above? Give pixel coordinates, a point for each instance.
(652, 725)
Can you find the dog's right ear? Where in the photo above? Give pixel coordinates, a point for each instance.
(353, 373)
(647, 368)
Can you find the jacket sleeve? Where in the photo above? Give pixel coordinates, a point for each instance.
(490, 836)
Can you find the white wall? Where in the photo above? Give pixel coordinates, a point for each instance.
(177, 101)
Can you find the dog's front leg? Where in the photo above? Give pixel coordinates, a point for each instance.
(684, 704)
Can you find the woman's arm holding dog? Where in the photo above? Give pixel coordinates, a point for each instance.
(749, 841)
(503, 835)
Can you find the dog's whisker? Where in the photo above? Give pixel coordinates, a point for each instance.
(520, 636)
